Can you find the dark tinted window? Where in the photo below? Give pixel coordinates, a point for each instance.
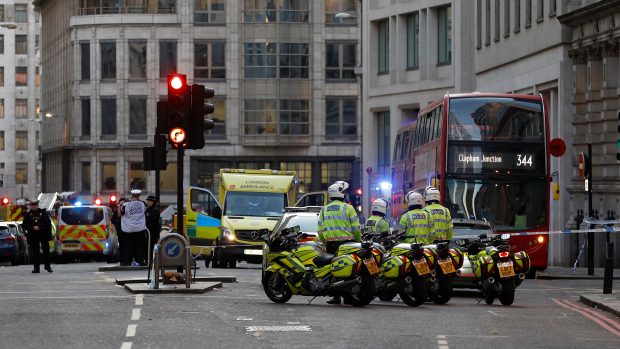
(81, 215)
(4, 231)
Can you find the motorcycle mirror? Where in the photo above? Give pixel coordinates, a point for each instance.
(460, 242)
(505, 236)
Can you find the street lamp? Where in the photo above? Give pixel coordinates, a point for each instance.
(49, 115)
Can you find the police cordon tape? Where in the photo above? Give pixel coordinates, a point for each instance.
(607, 229)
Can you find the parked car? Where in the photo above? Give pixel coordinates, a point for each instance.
(469, 228)
(13, 243)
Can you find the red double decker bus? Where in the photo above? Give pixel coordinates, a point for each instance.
(489, 156)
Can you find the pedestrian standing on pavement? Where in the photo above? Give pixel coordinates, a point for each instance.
(38, 228)
(338, 223)
(122, 237)
(440, 218)
(133, 224)
(416, 221)
(153, 222)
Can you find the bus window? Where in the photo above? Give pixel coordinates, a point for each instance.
(427, 128)
(433, 125)
(403, 146)
(396, 147)
(440, 122)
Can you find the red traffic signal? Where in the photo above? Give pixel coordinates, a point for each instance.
(177, 135)
(176, 82)
(97, 201)
(4, 201)
(113, 199)
(358, 191)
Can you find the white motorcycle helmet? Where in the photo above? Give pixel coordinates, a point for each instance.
(431, 193)
(415, 198)
(380, 206)
(336, 190)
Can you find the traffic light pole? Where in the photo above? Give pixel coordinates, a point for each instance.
(180, 190)
(590, 214)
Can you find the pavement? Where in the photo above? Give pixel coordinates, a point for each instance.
(607, 302)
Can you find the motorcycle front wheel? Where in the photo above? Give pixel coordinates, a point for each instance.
(414, 294)
(488, 293)
(276, 288)
(507, 296)
(362, 294)
(443, 293)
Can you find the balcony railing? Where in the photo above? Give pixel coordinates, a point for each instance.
(90, 11)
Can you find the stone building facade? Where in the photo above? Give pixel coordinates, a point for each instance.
(286, 89)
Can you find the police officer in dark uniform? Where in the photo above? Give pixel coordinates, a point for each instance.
(153, 221)
(38, 228)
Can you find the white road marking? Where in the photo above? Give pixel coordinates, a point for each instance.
(293, 323)
(285, 328)
(126, 345)
(441, 336)
(135, 314)
(244, 318)
(139, 299)
(442, 342)
(131, 331)
(494, 313)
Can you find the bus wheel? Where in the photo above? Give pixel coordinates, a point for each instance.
(232, 263)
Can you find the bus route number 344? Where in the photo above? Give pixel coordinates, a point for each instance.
(524, 160)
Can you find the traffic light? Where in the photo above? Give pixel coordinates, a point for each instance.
(4, 201)
(178, 108)
(113, 199)
(197, 122)
(97, 201)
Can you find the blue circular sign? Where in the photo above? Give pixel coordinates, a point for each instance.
(172, 249)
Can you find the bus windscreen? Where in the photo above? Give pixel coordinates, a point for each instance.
(496, 119)
(510, 205)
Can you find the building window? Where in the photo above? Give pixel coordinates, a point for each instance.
(332, 7)
(444, 34)
(487, 23)
(540, 13)
(21, 140)
(166, 6)
(85, 117)
(552, 8)
(1, 76)
(85, 60)
(137, 60)
(1, 13)
(340, 117)
(1, 108)
(37, 109)
(206, 174)
(136, 176)
(259, 60)
(528, 13)
(21, 76)
(209, 11)
(21, 13)
(478, 24)
(413, 40)
(1, 141)
(209, 60)
(263, 116)
(1, 44)
(219, 118)
(294, 61)
(108, 60)
(167, 58)
(108, 176)
(383, 137)
(21, 108)
(506, 18)
(340, 61)
(517, 15)
(108, 116)
(304, 174)
(37, 77)
(270, 11)
(21, 173)
(168, 178)
(384, 46)
(21, 44)
(86, 177)
(137, 116)
(336, 171)
(294, 118)
(497, 20)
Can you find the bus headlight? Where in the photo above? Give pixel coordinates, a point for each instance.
(541, 239)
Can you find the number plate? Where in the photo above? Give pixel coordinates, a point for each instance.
(371, 264)
(506, 270)
(72, 246)
(446, 266)
(253, 252)
(421, 266)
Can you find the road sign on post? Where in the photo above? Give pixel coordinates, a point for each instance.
(172, 251)
(581, 165)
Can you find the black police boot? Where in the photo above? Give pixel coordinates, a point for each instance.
(36, 270)
(335, 300)
(49, 269)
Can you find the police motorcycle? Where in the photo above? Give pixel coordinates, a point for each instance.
(406, 270)
(295, 268)
(449, 261)
(497, 269)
